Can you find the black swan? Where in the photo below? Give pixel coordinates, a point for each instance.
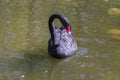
(61, 43)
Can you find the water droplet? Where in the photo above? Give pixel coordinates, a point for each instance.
(106, 0)
(28, 39)
(22, 76)
(86, 56)
(8, 22)
(46, 71)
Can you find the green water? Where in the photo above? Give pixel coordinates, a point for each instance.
(24, 39)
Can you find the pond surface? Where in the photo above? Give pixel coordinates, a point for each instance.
(24, 39)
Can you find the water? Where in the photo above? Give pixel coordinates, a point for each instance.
(24, 38)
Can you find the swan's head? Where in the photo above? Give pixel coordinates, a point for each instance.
(65, 23)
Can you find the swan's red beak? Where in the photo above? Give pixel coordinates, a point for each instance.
(68, 29)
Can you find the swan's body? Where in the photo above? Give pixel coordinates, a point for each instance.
(61, 43)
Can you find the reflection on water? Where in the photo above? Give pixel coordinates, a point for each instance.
(24, 38)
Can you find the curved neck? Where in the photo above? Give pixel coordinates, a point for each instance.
(63, 20)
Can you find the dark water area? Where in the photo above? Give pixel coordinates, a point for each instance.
(24, 36)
